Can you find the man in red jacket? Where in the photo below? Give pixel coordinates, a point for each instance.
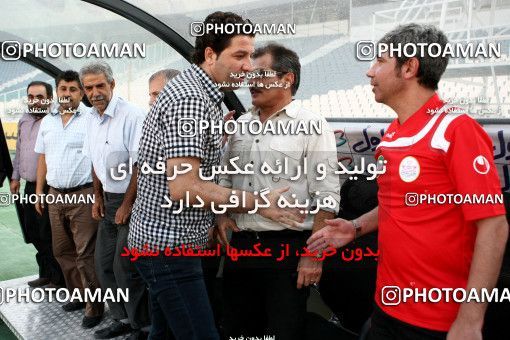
(435, 233)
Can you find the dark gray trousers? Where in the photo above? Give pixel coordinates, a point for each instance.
(116, 271)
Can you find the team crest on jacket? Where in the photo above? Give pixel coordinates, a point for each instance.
(409, 169)
(481, 165)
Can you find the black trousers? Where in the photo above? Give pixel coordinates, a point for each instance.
(38, 230)
(495, 326)
(260, 294)
(210, 267)
(385, 327)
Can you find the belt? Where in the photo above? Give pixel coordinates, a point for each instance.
(73, 189)
(113, 195)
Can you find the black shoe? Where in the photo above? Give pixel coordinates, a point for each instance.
(118, 328)
(42, 281)
(91, 321)
(72, 306)
(138, 335)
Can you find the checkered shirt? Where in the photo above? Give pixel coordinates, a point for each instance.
(191, 95)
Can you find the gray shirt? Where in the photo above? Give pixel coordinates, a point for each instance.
(290, 149)
(25, 160)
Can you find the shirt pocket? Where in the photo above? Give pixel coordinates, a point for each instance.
(287, 153)
(240, 147)
(76, 141)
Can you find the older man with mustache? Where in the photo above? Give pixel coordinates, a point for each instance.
(112, 140)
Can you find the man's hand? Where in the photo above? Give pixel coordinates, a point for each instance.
(463, 330)
(39, 203)
(212, 237)
(292, 218)
(223, 224)
(309, 271)
(336, 234)
(122, 214)
(491, 238)
(98, 208)
(14, 186)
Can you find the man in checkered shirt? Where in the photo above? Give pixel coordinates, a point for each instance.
(176, 285)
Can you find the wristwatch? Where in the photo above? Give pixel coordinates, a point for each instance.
(357, 229)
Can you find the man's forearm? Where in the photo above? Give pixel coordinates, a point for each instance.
(485, 266)
(212, 196)
(209, 192)
(369, 222)
(15, 162)
(40, 174)
(98, 187)
(15, 168)
(318, 221)
(212, 193)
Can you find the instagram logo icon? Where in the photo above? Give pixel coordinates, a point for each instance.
(412, 199)
(390, 295)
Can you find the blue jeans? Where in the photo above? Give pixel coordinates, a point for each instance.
(178, 298)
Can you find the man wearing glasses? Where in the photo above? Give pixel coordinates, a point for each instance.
(40, 96)
(268, 295)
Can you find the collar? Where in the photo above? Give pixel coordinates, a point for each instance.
(421, 117)
(212, 90)
(78, 112)
(424, 113)
(31, 116)
(432, 105)
(291, 110)
(110, 109)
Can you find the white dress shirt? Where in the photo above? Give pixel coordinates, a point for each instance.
(112, 139)
(67, 165)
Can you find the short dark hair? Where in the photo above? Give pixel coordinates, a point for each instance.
(218, 41)
(284, 60)
(69, 76)
(431, 68)
(48, 87)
